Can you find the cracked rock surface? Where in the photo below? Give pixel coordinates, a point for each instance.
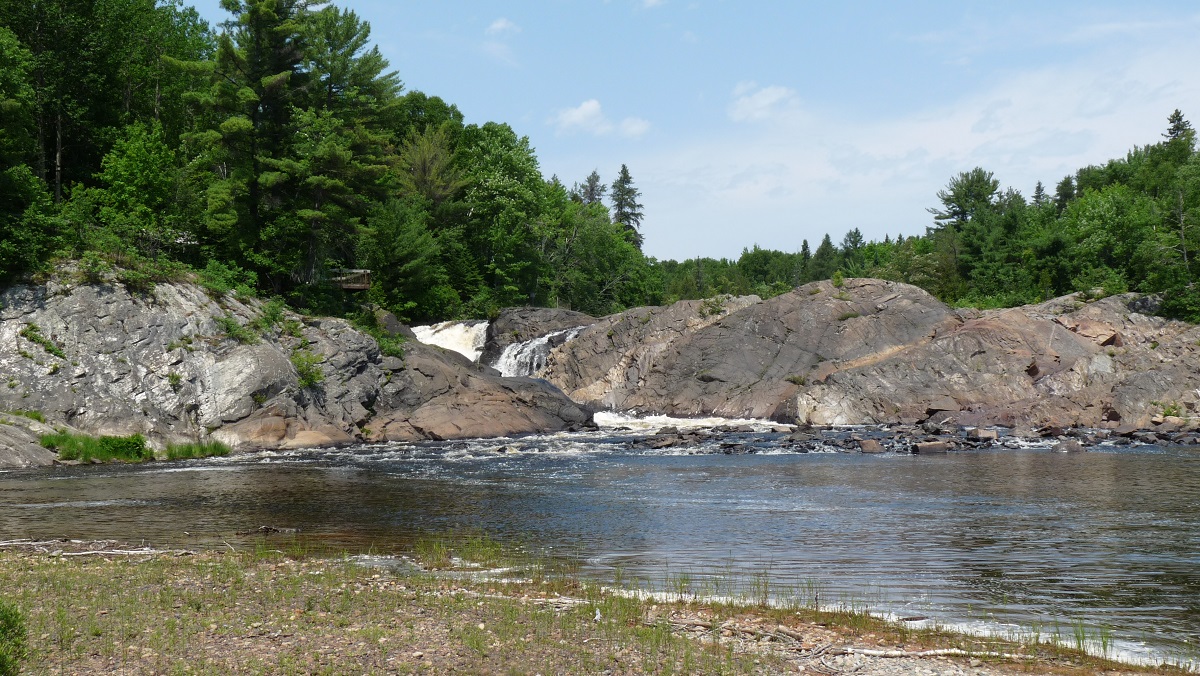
(98, 359)
(874, 351)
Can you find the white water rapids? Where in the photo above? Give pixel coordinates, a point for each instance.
(468, 338)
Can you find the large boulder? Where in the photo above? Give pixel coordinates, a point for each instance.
(165, 364)
(873, 351)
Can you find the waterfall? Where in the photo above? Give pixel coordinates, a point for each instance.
(466, 338)
(529, 357)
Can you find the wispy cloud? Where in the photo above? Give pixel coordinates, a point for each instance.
(501, 27)
(798, 172)
(752, 103)
(589, 117)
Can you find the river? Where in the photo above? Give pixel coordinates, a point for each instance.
(1014, 541)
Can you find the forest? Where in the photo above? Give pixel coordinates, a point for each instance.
(272, 153)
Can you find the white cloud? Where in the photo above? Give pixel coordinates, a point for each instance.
(588, 117)
(502, 26)
(799, 173)
(755, 104)
(633, 127)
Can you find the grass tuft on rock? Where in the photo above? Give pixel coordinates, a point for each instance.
(86, 448)
(197, 449)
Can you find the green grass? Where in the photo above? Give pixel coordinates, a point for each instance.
(33, 333)
(197, 449)
(13, 646)
(848, 315)
(103, 449)
(32, 415)
(229, 324)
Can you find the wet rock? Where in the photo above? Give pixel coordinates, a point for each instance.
(931, 447)
(517, 325)
(870, 446)
(1068, 446)
(979, 434)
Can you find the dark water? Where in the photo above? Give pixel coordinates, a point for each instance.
(1011, 540)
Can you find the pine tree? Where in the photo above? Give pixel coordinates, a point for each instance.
(626, 209)
(1039, 194)
(591, 191)
(1179, 128)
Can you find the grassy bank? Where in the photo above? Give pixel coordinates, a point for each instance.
(285, 612)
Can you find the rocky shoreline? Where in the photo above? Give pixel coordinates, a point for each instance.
(926, 439)
(179, 364)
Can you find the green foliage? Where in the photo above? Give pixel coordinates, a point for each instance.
(175, 380)
(232, 328)
(308, 368)
(270, 316)
(194, 450)
(220, 278)
(712, 306)
(838, 280)
(32, 415)
(33, 333)
(13, 646)
(848, 315)
(101, 449)
(797, 380)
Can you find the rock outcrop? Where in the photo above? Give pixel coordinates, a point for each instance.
(873, 351)
(519, 324)
(167, 365)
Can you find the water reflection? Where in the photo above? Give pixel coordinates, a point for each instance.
(1109, 538)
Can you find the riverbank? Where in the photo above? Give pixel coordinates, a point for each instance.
(466, 607)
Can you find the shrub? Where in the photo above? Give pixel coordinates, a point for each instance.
(229, 324)
(308, 368)
(104, 449)
(13, 649)
(272, 316)
(797, 380)
(176, 381)
(848, 315)
(197, 449)
(220, 278)
(838, 279)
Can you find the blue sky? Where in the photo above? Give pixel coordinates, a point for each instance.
(767, 123)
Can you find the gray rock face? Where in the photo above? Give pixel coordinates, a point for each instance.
(102, 361)
(519, 324)
(881, 352)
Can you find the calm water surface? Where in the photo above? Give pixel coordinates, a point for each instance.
(1007, 540)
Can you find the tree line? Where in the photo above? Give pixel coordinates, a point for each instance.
(276, 150)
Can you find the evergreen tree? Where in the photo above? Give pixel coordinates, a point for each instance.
(591, 191)
(626, 209)
(824, 260)
(1178, 128)
(1039, 194)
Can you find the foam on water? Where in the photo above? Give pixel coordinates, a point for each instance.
(648, 423)
(466, 338)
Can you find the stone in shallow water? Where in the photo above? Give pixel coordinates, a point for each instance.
(870, 446)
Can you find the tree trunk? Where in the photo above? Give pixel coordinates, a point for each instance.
(58, 153)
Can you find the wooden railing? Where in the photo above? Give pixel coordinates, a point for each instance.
(351, 280)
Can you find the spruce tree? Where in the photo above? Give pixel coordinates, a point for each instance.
(626, 209)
